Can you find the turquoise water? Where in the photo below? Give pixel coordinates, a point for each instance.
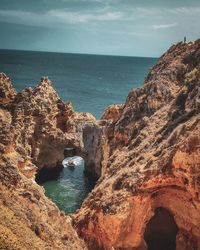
(91, 83)
(69, 189)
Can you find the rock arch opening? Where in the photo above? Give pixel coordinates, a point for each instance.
(161, 231)
(66, 184)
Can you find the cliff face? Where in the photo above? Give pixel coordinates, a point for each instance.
(40, 125)
(7, 92)
(28, 219)
(35, 127)
(150, 162)
(146, 153)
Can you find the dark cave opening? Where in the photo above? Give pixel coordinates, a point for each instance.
(48, 174)
(161, 231)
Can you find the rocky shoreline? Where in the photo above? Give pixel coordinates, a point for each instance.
(36, 126)
(145, 154)
(151, 161)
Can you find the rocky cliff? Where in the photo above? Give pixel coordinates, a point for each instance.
(39, 126)
(145, 152)
(28, 219)
(35, 128)
(150, 182)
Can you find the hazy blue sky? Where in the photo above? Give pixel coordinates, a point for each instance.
(119, 27)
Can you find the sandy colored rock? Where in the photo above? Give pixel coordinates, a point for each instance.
(145, 152)
(35, 127)
(41, 125)
(150, 161)
(28, 219)
(7, 92)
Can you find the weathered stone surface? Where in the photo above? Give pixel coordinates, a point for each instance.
(150, 159)
(92, 141)
(145, 152)
(35, 127)
(28, 219)
(113, 112)
(41, 125)
(7, 92)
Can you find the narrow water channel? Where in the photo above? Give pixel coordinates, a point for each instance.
(68, 188)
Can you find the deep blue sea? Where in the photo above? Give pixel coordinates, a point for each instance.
(91, 83)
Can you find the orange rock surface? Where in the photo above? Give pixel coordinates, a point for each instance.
(145, 154)
(150, 183)
(35, 127)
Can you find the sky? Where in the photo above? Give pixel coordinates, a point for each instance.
(115, 27)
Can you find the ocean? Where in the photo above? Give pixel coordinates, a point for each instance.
(91, 83)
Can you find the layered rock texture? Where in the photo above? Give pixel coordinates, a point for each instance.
(39, 126)
(28, 220)
(35, 127)
(145, 152)
(149, 187)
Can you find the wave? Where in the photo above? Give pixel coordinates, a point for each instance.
(77, 160)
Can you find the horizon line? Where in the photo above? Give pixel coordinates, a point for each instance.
(77, 53)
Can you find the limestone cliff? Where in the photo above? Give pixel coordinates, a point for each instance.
(146, 153)
(35, 127)
(39, 125)
(28, 220)
(150, 162)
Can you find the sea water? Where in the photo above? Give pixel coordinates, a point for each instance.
(91, 83)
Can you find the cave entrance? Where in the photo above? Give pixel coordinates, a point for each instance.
(161, 231)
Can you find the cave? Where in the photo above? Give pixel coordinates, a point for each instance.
(70, 152)
(48, 174)
(161, 231)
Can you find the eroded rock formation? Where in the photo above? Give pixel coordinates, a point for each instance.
(35, 127)
(29, 220)
(145, 152)
(150, 161)
(39, 125)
